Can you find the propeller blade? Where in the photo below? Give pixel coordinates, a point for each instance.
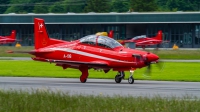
(147, 72)
(161, 65)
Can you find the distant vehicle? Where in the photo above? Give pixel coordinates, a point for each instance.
(8, 39)
(110, 34)
(92, 51)
(144, 41)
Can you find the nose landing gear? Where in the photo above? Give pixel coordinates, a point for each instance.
(131, 79)
(121, 75)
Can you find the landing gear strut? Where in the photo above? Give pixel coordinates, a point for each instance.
(131, 79)
(84, 76)
(83, 79)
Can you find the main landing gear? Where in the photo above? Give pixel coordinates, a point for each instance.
(84, 76)
(121, 75)
(118, 77)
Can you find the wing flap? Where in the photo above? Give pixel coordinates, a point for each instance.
(98, 64)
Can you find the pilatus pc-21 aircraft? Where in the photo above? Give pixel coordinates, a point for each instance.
(8, 39)
(143, 41)
(92, 51)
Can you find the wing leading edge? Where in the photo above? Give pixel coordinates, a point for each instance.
(72, 63)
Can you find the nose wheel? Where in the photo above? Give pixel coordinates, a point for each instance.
(131, 80)
(121, 75)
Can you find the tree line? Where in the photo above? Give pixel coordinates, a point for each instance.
(98, 6)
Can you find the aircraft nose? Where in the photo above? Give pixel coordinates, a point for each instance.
(152, 57)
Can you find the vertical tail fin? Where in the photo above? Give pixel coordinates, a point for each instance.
(41, 35)
(12, 35)
(159, 35)
(110, 34)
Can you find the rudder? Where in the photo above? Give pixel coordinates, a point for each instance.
(110, 34)
(12, 35)
(159, 35)
(42, 38)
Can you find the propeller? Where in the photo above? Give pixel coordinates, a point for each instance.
(146, 59)
(149, 59)
(161, 65)
(147, 72)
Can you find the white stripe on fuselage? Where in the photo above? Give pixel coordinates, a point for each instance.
(148, 41)
(88, 54)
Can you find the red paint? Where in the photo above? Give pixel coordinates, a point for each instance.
(146, 41)
(87, 52)
(8, 39)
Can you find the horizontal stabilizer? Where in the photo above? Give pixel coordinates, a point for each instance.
(29, 52)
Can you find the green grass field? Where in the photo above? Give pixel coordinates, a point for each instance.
(43, 100)
(171, 71)
(177, 54)
(48, 101)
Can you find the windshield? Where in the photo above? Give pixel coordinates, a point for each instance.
(139, 37)
(90, 39)
(108, 42)
(102, 41)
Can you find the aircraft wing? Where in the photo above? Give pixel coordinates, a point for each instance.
(92, 64)
(99, 64)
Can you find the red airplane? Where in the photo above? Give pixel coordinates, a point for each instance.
(8, 39)
(92, 51)
(143, 41)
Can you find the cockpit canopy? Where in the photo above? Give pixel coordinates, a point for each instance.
(139, 37)
(102, 41)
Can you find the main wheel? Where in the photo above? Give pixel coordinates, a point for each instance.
(83, 79)
(118, 78)
(131, 80)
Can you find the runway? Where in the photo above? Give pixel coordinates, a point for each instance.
(103, 86)
(15, 58)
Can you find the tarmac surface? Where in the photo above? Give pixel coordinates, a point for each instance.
(103, 86)
(15, 58)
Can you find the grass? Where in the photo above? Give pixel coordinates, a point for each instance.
(171, 71)
(43, 100)
(47, 101)
(177, 54)
(163, 54)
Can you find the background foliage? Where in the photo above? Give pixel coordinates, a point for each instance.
(81, 6)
